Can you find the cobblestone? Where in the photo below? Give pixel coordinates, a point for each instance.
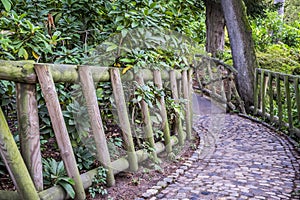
(236, 159)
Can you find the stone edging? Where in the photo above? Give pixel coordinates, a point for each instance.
(154, 190)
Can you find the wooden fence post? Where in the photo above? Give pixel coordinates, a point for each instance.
(186, 96)
(29, 131)
(88, 88)
(190, 83)
(123, 118)
(163, 112)
(146, 118)
(262, 93)
(296, 87)
(178, 122)
(288, 101)
(270, 87)
(279, 103)
(59, 127)
(14, 162)
(256, 92)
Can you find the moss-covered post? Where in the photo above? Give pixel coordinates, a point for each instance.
(190, 82)
(89, 92)
(29, 131)
(163, 112)
(178, 122)
(270, 88)
(262, 93)
(146, 118)
(296, 87)
(185, 87)
(288, 101)
(59, 127)
(256, 92)
(279, 103)
(14, 162)
(123, 118)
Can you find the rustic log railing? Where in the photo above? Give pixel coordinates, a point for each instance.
(216, 79)
(25, 167)
(277, 99)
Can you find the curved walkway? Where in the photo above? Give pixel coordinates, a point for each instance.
(237, 159)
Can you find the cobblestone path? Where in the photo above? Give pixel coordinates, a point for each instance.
(237, 159)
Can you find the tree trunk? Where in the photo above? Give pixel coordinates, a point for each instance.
(242, 47)
(281, 8)
(215, 24)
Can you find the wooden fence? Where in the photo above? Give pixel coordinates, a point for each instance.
(25, 167)
(216, 79)
(277, 99)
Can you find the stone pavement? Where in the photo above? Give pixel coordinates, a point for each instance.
(236, 159)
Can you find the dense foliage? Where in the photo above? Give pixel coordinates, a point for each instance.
(67, 31)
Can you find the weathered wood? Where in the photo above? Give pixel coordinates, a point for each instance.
(178, 122)
(123, 117)
(281, 75)
(23, 72)
(288, 101)
(18, 71)
(213, 87)
(146, 118)
(9, 195)
(256, 92)
(59, 127)
(270, 88)
(163, 112)
(297, 94)
(57, 193)
(279, 103)
(190, 83)
(186, 96)
(262, 92)
(237, 96)
(14, 162)
(28, 119)
(219, 62)
(88, 88)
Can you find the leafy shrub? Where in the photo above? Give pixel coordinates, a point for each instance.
(98, 182)
(280, 58)
(272, 29)
(55, 174)
(85, 159)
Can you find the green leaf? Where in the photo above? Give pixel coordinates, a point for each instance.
(68, 188)
(6, 4)
(120, 27)
(134, 24)
(23, 53)
(66, 179)
(127, 60)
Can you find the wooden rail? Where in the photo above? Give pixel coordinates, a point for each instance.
(216, 79)
(25, 167)
(277, 99)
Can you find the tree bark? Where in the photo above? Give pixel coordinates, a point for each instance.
(281, 8)
(215, 24)
(242, 47)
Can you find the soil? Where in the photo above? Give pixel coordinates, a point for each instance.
(130, 185)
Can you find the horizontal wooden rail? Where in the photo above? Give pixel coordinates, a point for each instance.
(276, 97)
(23, 72)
